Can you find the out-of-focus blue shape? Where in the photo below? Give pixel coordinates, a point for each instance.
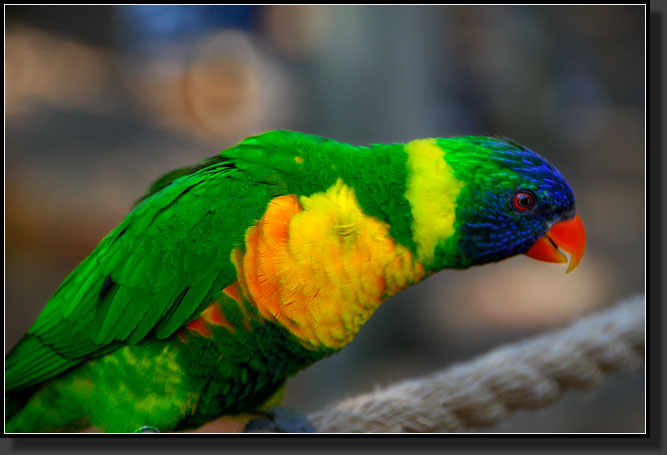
(143, 29)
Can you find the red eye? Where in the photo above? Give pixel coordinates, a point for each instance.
(523, 201)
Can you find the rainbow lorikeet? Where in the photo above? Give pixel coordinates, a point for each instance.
(231, 276)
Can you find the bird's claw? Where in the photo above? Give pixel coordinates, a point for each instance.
(280, 419)
(147, 429)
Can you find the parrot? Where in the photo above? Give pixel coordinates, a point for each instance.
(228, 277)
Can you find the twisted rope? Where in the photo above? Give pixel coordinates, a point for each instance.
(485, 391)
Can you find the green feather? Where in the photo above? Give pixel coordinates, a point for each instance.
(104, 350)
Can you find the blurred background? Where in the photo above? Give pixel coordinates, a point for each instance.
(99, 101)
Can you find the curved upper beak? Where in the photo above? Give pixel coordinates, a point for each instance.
(569, 236)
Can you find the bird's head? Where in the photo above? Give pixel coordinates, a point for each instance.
(511, 201)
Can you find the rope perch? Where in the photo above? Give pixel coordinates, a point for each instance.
(485, 391)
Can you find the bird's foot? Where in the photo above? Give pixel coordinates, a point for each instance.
(147, 429)
(280, 419)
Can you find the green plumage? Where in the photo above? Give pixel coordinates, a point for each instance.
(105, 350)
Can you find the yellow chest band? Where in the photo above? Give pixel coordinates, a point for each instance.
(320, 267)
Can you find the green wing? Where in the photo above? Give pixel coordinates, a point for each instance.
(170, 257)
(152, 274)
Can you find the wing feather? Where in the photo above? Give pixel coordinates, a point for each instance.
(165, 262)
(152, 274)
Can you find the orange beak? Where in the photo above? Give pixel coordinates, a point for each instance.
(569, 235)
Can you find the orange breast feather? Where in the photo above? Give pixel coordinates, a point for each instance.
(319, 266)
